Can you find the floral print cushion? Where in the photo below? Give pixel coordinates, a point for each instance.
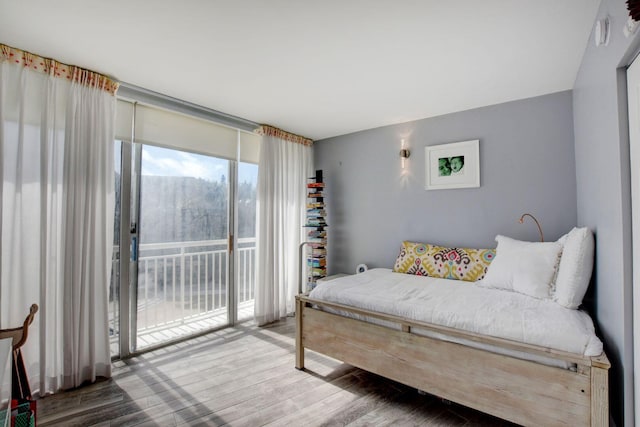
(447, 263)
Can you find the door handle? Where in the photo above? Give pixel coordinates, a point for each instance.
(134, 248)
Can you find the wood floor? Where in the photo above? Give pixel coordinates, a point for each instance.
(245, 376)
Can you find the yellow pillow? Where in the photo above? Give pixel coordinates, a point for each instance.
(447, 263)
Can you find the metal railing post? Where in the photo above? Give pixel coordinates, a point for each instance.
(182, 266)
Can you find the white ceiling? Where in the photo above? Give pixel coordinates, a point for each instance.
(316, 68)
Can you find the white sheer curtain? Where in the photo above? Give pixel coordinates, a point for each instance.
(57, 199)
(286, 161)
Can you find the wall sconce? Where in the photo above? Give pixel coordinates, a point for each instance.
(601, 32)
(521, 221)
(404, 153)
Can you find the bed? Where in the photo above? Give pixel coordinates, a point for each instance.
(532, 360)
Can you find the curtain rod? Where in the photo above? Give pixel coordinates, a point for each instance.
(136, 93)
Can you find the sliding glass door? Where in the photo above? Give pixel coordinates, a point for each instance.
(184, 276)
(184, 250)
(246, 232)
(182, 241)
(114, 287)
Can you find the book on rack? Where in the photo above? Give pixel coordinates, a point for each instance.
(316, 215)
(316, 262)
(316, 212)
(316, 224)
(315, 219)
(315, 205)
(318, 271)
(317, 233)
(315, 185)
(318, 240)
(315, 195)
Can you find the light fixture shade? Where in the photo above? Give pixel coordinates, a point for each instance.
(404, 153)
(601, 32)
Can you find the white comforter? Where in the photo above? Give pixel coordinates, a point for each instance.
(463, 305)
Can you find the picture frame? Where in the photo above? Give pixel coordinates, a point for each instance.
(453, 165)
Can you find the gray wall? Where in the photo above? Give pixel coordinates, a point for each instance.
(526, 162)
(603, 195)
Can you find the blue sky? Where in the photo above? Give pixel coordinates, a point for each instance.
(157, 161)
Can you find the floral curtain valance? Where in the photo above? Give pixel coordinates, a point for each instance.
(279, 133)
(57, 69)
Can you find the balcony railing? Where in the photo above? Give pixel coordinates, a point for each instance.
(185, 282)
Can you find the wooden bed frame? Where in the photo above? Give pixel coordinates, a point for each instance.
(521, 391)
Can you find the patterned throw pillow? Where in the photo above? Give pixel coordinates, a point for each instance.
(446, 263)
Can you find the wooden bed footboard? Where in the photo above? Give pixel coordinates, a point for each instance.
(518, 390)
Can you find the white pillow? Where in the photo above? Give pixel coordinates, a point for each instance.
(575, 268)
(524, 267)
